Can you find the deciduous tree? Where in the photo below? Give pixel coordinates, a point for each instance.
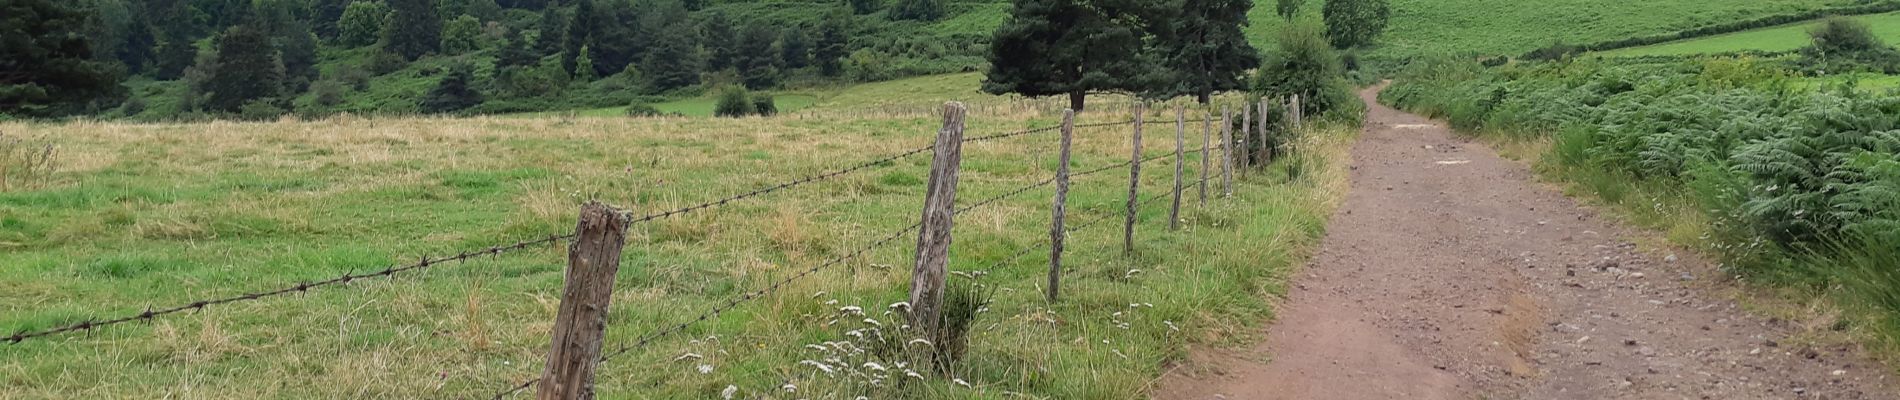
(1355, 23)
(414, 30)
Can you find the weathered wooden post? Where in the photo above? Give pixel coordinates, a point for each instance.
(1227, 151)
(1246, 136)
(1293, 109)
(933, 239)
(1180, 162)
(1134, 184)
(581, 322)
(1207, 150)
(1056, 232)
(1265, 152)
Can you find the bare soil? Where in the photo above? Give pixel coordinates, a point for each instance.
(1449, 273)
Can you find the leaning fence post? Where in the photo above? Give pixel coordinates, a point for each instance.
(1227, 151)
(1134, 183)
(1180, 142)
(1246, 137)
(581, 322)
(933, 239)
(1207, 150)
(1056, 232)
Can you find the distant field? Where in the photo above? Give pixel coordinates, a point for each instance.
(693, 107)
(1780, 38)
(1512, 27)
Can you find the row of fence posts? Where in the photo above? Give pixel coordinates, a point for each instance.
(593, 262)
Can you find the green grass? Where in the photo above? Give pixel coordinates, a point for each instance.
(162, 214)
(1780, 38)
(693, 107)
(1422, 27)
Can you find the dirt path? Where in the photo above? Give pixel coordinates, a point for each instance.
(1450, 274)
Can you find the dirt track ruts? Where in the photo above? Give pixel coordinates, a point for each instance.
(1449, 273)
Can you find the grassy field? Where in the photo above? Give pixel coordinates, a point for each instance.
(693, 107)
(1780, 38)
(1421, 27)
(158, 215)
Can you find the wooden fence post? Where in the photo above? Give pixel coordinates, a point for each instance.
(1265, 152)
(1056, 232)
(1227, 151)
(1299, 114)
(933, 239)
(1180, 162)
(1134, 184)
(1246, 137)
(1207, 150)
(581, 322)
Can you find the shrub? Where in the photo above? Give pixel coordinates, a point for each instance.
(132, 106)
(383, 62)
(764, 105)
(327, 92)
(1355, 23)
(1307, 66)
(1847, 45)
(642, 109)
(733, 103)
(260, 110)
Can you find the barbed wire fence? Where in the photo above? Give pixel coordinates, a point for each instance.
(578, 349)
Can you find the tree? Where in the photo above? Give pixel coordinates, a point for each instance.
(326, 16)
(137, 49)
(455, 92)
(177, 48)
(1054, 47)
(246, 69)
(1204, 49)
(515, 51)
(1355, 23)
(297, 49)
(584, 65)
(671, 63)
(831, 47)
(715, 34)
(794, 48)
(361, 23)
(47, 67)
(755, 57)
(550, 33)
(485, 10)
(462, 35)
(916, 10)
(1289, 8)
(413, 30)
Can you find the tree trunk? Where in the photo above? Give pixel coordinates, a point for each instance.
(1203, 97)
(1077, 99)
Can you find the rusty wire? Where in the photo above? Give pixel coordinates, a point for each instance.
(300, 287)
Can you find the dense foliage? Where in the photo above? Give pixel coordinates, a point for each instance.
(47, 68)
(1155, 49)
(1355, 23)
(1559, 50)
(1785, 173)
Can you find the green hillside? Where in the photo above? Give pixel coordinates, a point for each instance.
(1775, 39)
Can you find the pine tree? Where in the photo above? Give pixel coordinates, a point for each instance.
(361, 23)
(794, 48)
(297, 48)
(47, 67)
(671, 63)
(861, 7)
(247, 69)
(455, 92)
(584, 66)
(1204, 49)
(325, 16)
(755, 59)
(177, 49)
(550, 32)
(137, 50)
(485, 10)
(515, 51)
(413, 30)
(1066, 47)
(715, 34)
(578, 30)
(831, 48)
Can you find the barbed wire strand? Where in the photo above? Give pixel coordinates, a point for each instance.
(300, 287)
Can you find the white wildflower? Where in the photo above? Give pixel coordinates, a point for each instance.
(730, 390)
(873, 322)
(789, 388)
(960, 381)
(705, 368)
(874, 366)
(855, 310)
(918, 341)
(819, 365)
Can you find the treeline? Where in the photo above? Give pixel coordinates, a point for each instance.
(262, 58)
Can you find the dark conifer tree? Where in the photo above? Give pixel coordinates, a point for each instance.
(324, 16)
(515, 51)
(832, 47)
(794, 48)
(717, 37)
(177, 46)
(1204, 49)
(916, 10)
(414, 30)
(755, 59)
(138, 50)
(1067, 47)
(455, 92)
(671, 63)
(551, 33)
(247, 69)
(47, 66)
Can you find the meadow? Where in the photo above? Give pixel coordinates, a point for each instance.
(1421, 27)
(153, 215)
(1776, 39)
